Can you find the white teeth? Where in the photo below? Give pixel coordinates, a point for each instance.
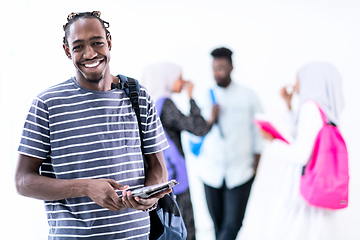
(92, 65)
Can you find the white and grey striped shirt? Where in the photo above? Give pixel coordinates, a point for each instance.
(91, 134)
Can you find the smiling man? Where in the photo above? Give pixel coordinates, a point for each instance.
(87, 43)
(80, 146)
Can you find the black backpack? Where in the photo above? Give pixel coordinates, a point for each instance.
(166, 221)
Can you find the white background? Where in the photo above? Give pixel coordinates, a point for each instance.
(271, 40)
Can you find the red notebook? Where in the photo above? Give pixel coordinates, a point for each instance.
(268, 127)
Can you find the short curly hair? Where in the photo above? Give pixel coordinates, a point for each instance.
(72, 17)
(222, 53)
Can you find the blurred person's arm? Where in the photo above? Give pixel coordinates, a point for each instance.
(287, 97)
(214, 116)
(30, 183)
(194, 109)
(256, 162)
(257, 143)
(173, 118)
(309, 125)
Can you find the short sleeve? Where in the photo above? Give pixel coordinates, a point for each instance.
(154, 138)
(35, 139)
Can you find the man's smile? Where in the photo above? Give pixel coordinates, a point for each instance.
(92, 64)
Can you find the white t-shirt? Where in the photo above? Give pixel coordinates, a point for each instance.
(228, 149)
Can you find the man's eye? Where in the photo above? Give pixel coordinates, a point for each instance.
(77, 47)
(98, 43)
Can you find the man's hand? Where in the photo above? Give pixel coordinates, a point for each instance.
(140, 203)
(214, 116)
(157, 173)
(102, 192)
(215, 112)
(256, 162)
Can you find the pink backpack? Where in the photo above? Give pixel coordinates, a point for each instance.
(325, 178)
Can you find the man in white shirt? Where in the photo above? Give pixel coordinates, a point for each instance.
(231, 150)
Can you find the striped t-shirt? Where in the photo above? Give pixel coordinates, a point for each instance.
(84, 134)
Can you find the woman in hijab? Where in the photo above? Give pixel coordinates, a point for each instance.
(287, 215)
(161, 80)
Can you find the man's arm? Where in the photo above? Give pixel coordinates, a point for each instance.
(156, 173)
(256, 162)
(30, 183)
(257, 139)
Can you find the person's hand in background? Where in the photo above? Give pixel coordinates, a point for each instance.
(189, 88)
(287, 94)
(266, 135)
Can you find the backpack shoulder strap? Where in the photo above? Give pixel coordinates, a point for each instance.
(124, 84)
(132, 89)
(134, 98)
(323, 115)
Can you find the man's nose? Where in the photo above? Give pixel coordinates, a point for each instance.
(89, 52)
(217, 74)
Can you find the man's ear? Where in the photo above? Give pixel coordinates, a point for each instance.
(67, 50)
(108, 39)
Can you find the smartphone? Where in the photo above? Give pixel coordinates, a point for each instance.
(149, 191)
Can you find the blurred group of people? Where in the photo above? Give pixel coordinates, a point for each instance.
(232, 144)
(83, 150)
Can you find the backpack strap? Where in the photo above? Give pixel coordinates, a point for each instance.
(325, 122)
(323, 115)
(132, 90)
(134, 98)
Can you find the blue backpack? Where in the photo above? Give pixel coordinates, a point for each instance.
(166, 221)
(175, 162)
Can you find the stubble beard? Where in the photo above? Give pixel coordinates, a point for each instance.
(94, 80)
(224, 82)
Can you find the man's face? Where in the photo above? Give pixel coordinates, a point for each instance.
(89, 49)
(222, 69)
